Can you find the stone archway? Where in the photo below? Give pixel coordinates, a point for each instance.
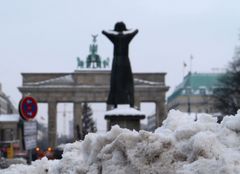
(88, 86)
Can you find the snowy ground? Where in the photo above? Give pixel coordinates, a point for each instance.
(182, 146)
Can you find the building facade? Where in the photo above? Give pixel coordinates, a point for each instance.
(9, 127)
(195, 93)
(6, 106)
(10, 135)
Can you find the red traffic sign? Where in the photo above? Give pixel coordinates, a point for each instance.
(28, 108)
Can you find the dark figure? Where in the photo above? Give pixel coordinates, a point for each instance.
(121, 90)
(93, 59)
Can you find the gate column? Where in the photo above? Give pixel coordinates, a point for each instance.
(137, 103)
(52, 123)
(160, 113)
(77, 120)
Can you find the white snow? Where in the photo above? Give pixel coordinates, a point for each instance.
(66, 79)
(148, 82)
(232, 122)
(9, 117)
(182, 145)
(124, 111)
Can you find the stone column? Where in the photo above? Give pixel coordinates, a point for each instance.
(137, 104)
(108, 108)
(77, 120)
(52, 123)
(160, 113)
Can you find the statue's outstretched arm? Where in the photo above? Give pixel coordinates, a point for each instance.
(132, 34)
(110, 36)
(135, 32)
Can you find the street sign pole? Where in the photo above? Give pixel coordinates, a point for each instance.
(29, 160)
(28, 110)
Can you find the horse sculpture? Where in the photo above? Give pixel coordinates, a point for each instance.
(80, 63)
(93, 61)
(106, 63)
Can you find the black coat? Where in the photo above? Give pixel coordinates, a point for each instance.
(121, 89)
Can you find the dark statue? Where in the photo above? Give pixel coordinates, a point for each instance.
(93, 59)
(121, 89)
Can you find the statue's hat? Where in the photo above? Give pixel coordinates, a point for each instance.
(120, 26)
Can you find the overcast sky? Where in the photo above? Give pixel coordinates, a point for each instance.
(48, 35)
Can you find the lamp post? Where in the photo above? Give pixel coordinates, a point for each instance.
(189, 101)
(190, 89)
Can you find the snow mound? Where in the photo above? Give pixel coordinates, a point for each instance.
(124, 111)
(184, 144)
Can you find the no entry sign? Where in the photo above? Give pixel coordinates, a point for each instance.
(28, 108)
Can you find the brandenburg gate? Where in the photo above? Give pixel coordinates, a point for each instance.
(88, 86)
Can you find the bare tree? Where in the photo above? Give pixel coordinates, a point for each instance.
(227, 95)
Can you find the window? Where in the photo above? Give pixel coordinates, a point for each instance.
(7, 134)
(202, 91)
(188, 91)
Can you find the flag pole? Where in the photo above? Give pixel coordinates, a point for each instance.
(184, 68)
(191, 59)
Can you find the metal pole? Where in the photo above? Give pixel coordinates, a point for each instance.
(190, 88)
(29, 161)
(191, 58)
(189, 103)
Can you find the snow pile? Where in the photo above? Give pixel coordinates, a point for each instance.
(5, 163)
(183, 145)
(232, 122)
(124, 111)
(9, 117)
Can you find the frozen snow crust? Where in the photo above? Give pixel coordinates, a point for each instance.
(183, 145)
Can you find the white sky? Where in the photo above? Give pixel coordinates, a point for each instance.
(47, 36)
